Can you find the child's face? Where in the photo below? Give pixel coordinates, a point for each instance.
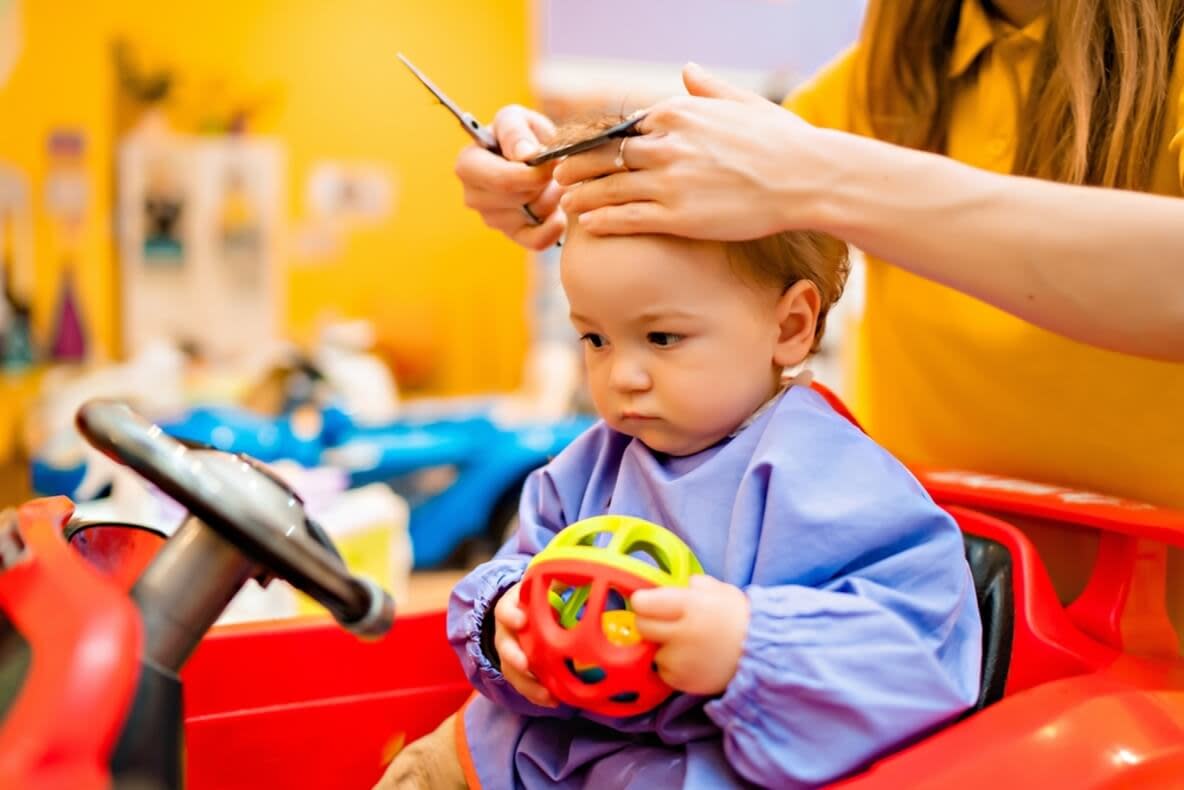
(679, 349)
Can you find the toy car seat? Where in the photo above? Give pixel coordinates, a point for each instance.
(990, 564)
(1024, 623)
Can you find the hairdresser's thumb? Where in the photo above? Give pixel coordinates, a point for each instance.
(700, 82)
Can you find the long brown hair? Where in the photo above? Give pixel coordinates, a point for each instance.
(1098, 99)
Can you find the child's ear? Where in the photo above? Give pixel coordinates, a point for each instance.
(797, 315)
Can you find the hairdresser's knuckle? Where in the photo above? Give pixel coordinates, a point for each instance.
(663, 115)
(632, 215)
(611, 190)
(663, 153)
(497, 221)
(682, 110)
(676, 148)
(509, 116)
(505, 179)
(527, 237)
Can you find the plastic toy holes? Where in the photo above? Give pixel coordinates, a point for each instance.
(598, 539)
(617, 622)
(589, 674)
(568, 602)
(649, 553)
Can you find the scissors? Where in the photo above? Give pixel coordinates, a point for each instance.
(477, 130)
(484, 137)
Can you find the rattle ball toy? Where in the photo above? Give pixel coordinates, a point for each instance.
(580, 637)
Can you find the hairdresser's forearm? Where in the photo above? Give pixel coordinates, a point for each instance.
(1102, 266)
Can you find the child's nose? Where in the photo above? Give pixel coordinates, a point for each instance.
(629, 375)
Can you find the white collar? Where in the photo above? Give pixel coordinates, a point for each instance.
(797, 376)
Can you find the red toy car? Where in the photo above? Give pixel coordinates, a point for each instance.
(1088, 695)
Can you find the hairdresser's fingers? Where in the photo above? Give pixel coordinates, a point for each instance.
(508, 220)
(520, 132)
(483, 200)
(545, 204)
(632, 219)
(510, 215)
(480, 169)
(641, 153)
(540, 237)
(611, 190)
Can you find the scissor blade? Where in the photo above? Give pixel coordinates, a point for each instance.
(475, 130)
(439, 94)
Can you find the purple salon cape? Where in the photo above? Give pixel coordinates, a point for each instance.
(864, 631)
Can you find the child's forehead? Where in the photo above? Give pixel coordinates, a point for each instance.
(637, 267)
(656, 255)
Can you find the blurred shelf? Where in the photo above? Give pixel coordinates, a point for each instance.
(17, 391)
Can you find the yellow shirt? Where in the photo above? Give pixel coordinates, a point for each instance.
(945, 379)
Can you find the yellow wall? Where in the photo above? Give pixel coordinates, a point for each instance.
(342, 95)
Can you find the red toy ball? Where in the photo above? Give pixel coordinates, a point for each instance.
(580, 637)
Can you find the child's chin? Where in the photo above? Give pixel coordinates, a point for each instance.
(678, 446)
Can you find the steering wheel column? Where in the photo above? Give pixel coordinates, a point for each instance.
(244, 522)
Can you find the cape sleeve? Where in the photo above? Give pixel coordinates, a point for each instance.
(550, 501)
(864, 629)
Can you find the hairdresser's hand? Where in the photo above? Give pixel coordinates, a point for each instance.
(700, 630)
(498, 187)
(509, 618)
(722, 163)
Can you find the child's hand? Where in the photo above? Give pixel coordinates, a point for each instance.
(508, 621)
(700, 630)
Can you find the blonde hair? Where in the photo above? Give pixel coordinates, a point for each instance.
(786, 258)
(1098, 99)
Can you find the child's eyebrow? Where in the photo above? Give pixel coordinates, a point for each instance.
(664, 314)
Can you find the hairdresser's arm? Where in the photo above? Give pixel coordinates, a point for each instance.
(1101, 266)
(1098, 265)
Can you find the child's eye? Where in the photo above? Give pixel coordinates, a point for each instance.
(593, 339)
(663, 339)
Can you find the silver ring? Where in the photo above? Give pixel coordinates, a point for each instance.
(620, 160)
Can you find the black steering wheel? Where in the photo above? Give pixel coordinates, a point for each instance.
(244, 522)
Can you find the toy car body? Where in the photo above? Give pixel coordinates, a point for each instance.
(1084, 694)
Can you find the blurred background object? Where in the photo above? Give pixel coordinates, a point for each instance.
(242, 218)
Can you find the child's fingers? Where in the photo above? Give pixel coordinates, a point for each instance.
(508, 611)
(531, 689)
(666, 661)
(662, 603)
(510, 617)
(510, 652)
(655, 630)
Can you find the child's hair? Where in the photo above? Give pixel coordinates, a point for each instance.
(781, 259)
(786, 258)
